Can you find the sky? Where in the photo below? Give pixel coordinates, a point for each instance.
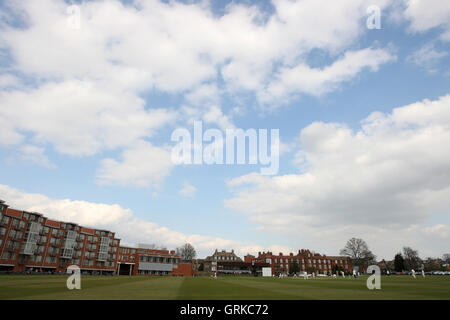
(91, 92)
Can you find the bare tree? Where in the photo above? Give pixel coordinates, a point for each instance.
(431, 264)
(358, 251)
(446, 258)
(411, 258)
(187, 252)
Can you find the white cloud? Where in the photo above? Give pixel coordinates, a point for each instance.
(8, 80)
(317, 81)
(142, 165)
(9, 136)
(80, 117)
(30, 154)
(188, 190)
(139, 46)
(427, 57)
(424, 15)
(128, 228)
(214, 115)
(204, 95)
(389, 176)
(88, 82)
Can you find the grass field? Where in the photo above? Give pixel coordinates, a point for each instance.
(233, 288)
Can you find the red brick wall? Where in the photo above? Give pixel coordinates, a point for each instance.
(184, 269)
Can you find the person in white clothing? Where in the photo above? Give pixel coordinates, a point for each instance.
(413, 272)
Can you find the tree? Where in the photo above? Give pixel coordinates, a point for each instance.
(186, 252)
(411, 258)
(201, 267)
(399, 263)
(337, 269)
(359, 253)
(294, 267)
(431, 264)
(446, 258)
(310, 269)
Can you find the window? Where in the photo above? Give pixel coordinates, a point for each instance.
(15, 222)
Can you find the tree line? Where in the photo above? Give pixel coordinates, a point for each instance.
(361, 256)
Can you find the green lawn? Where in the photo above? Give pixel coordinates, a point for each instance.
(123, 287)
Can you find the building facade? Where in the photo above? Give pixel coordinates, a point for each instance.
(30, 241)
(141, 261)
(210, 262)
(306, 260)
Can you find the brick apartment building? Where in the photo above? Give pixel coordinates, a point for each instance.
(210, 262)
(223, 262)
(30, 241)
(142, 261)
(306, 260)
